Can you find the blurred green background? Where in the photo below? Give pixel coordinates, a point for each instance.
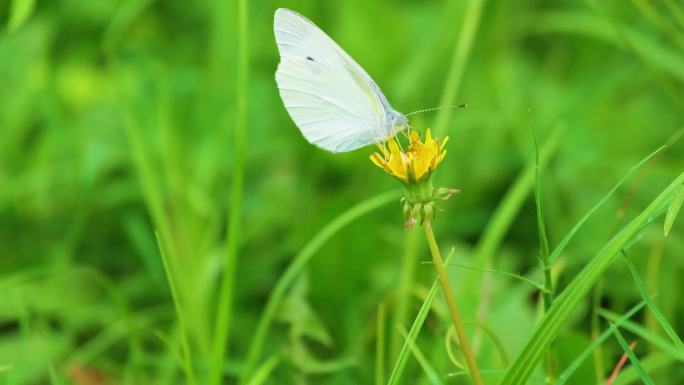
(118, 139)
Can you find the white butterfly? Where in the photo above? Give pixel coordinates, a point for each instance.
(333, 101)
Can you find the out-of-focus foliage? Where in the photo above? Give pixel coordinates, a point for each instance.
(116, 136)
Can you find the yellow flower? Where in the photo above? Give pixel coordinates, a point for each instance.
(413, 168)
(414, 165)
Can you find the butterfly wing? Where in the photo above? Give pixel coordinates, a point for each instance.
(332, 100)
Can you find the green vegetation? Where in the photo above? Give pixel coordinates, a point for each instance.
(162, 221)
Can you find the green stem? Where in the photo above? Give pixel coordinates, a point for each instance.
(451, 301)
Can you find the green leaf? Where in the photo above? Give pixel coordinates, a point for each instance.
(673, 210)
(567, 301)
(20, 11)
(632, 357)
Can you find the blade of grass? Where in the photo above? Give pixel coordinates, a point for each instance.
(432, 375)
(619, 365)
(568, 300)
(548, 292)
(400, 363)
(675, 11)
(264, 371)
(498, 344)
(652, 277)
(595, 327)
(403, 297)
(657, 341)
(579, 359)
(458, 63)
(519, 277)
(503, 218)
(295, 268)
(541, 226)
(180, 314)
(622, 33)
(669, 330)
(652, 13)
(564, 242)
(380, 346)
(20, 11)
(514, 199)
(224, 314)
(536, 379)
(632, 357)
(673, 210)
(650, 364)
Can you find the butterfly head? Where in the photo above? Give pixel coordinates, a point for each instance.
(398, 122)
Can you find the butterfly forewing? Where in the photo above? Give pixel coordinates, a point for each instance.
(332, 100)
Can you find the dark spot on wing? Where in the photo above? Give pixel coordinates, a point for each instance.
(309, 58)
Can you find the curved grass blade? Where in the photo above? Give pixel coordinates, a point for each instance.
(568, 300)
(296, 267)
(632, 357)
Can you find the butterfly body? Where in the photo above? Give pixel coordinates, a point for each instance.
(332, 100)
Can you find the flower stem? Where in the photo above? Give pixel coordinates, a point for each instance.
(453, 309)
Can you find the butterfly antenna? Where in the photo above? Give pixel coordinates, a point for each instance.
(451, 107)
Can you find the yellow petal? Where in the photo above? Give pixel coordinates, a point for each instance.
(377, 160)
(428, 138)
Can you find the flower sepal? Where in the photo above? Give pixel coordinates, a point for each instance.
(418, 204)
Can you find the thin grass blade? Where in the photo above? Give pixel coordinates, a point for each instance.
(420, 357)
(632, 357)
(564, 242)
(575, 364)
(647, 335)
(641, 286)
(400, 363)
